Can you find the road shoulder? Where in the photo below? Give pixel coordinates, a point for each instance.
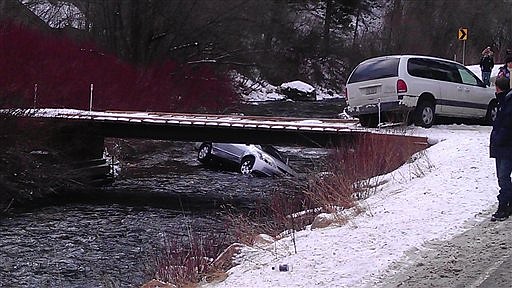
(476, 258)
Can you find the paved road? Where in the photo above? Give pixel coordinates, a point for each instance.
(499, 276)
(480, 257)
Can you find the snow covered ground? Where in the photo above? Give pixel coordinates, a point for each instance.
(478, 72)
(254, 92)
(443, 192)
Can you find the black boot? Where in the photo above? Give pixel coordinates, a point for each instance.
(502, 213)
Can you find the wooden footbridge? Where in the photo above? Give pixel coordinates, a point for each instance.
(80, 134)
(205, 127)
(212, 128)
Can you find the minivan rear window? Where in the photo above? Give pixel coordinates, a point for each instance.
(375, 69)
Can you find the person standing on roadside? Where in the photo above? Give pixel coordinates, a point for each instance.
(500, 148)
(506, 69)
(486, 65)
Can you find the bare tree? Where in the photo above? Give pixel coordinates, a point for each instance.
(409, 30)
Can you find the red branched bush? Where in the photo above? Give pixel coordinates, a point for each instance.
(367, 155)
(341, 183)
(64, 71)
(285, 203)
(279, 213)
(186, 263)
(370, 155)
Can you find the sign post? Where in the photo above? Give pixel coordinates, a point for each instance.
(463, 36)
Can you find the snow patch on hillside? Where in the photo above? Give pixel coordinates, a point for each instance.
(57, 14)
(257, 91)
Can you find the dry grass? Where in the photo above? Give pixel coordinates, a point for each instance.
(186, 263)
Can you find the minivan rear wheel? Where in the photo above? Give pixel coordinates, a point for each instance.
(425, 113)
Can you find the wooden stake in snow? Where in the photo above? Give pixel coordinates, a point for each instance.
(378, 105)
(35, 95)
(90, 99)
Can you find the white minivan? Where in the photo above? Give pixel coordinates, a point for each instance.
(417, 89)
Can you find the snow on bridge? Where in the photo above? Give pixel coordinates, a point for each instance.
(208, 127)
(338, 125)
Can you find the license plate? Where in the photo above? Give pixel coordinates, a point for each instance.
(371, 90)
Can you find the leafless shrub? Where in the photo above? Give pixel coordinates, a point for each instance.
(184, 263)
(286, 202)
(356, 166)
(351, 173)
(284, 211)
(331, 191)
(245, 228)
(420, 165)
(267, 218)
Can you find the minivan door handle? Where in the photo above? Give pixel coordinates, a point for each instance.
(459, 88)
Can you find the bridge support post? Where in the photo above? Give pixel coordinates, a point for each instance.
(74, 145)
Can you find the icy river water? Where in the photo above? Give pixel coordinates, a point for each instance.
(107, 238)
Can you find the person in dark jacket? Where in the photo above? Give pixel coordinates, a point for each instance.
(486, 65)
(504, 70)
(501, 148)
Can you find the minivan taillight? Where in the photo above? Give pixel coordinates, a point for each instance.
(401, 86)
(345, 90)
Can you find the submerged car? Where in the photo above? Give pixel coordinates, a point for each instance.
(246, 158)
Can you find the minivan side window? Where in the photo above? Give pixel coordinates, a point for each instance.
(433, 69)
(468, 77)
(376, 69)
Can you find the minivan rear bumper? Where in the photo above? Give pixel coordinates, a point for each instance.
(392, 106)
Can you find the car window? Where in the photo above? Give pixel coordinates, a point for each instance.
(419, 68)
(433, 69)
(468, 77)
(375, 69)
(271, 150)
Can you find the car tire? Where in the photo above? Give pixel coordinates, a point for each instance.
(204, 154)
(246, 165)
(425, 113)
(490, 116)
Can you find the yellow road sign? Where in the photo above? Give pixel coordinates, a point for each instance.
(463, 34)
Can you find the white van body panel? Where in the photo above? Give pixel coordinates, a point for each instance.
(370, 91)
(462, 95)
